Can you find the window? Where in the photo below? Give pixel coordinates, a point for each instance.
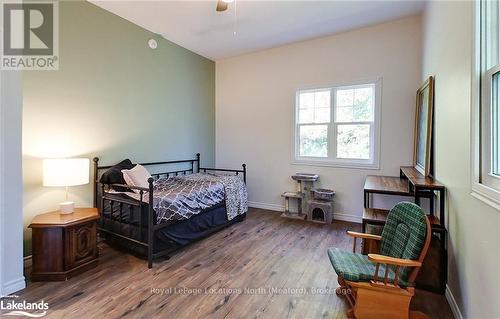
(495, 121)
(338, 126)
(486, 103)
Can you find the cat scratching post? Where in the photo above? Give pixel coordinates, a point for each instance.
(302, 195)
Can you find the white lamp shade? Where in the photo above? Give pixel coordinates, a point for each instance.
(65, 171)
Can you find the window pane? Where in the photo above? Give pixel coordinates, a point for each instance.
(496, 123)
(355, 105)
(314, 107)
(492, 33)
(306, 116)
(344, 114)
(353, 141)
(313, 140)
(363, 104)
(345, 97)
(306, 100)
(322, 115)
(322, 99)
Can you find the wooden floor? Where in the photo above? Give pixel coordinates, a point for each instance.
(264, 252)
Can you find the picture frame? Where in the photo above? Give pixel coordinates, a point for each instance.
(423, 127)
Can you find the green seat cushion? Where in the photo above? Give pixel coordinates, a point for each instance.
(357, 267)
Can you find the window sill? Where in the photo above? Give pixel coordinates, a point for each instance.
(336, 164)
(486, 194)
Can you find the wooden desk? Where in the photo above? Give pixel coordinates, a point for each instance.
(410, 183)
(386, 185)
(64, 245)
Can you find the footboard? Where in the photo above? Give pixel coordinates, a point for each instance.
(118, 227)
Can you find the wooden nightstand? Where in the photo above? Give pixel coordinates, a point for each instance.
(64, 245)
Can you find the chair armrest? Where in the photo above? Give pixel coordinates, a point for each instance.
(393, 261)
(387, 260)
(363, 235)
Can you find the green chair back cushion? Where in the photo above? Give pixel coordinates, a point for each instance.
(404, 233)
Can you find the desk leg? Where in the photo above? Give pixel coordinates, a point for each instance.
(364, 249)
(441, 207)
(431, 204)
(444, 260)
(366, 199)
(417, 197)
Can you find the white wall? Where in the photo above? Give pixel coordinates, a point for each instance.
(474, 256)
(11, 212)
(255, 96)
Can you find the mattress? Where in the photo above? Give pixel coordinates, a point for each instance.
(181, 232)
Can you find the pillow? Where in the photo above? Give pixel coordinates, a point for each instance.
(114, 175)
(137, 176)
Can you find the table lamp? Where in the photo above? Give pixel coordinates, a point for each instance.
(66, 172)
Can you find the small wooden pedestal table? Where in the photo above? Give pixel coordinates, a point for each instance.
(64, 245)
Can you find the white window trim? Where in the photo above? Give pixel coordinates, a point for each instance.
(486, 161)
(373, 164)
(480, 191)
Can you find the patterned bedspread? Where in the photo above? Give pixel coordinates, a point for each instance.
(180, 197)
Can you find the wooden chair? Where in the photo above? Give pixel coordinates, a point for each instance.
(382, 285)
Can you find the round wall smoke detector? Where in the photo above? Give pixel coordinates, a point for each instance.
(152, 44)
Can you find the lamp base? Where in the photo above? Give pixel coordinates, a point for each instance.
(67, 207)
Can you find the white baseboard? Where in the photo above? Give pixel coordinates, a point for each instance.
(347, 218)
(13, 286)
(453, 303)
(281, 208)
(274, 207)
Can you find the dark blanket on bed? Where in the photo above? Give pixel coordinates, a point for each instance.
(198, 226)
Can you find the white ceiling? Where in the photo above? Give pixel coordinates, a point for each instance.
(249, 26)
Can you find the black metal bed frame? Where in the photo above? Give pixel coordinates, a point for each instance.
(152, 225)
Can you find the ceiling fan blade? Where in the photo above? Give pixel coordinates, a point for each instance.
(221, 6)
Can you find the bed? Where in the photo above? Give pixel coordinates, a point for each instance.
(183, 202)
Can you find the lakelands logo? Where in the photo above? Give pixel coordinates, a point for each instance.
(30, 38)
(23, 308)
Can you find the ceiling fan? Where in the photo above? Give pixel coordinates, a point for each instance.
(222, 5)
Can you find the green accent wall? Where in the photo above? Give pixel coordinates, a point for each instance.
(115, 98)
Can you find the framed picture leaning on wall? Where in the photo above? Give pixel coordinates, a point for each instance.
(423, 127)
